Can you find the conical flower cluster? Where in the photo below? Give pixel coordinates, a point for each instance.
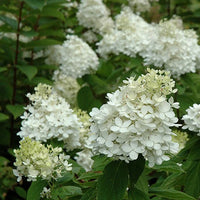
(137, 119)
(50, 116)
(34, 160)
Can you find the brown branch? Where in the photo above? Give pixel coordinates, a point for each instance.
(16, 54)
(15, 71)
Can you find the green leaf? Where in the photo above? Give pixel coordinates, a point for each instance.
(86, 99)
(28, 70)
(169, 166)
(51, 32)
(29, 33)
(5, 137)
(170, 194)
(112, 185)
(47, 67)
(21, 192)
(2, 69)
(89, 175)
(188, 146)
(192, 182)
(136, 168)
(36, 80)
(5, 89)
(194, 153)
(171, 180)
(105, 69)
(65, 178)
(42, 43)
(35, 190)
(142, 183)
(3, 161)
(3, 117)
(11, 152)
(36, 4)
(56, 1)
(185, 100)
(89, 194)
(11, 22)
(15, 110)
(115, 74)
(53, 12)
(100, 161)
(45, 23)
(97, 84)
(137, 195)
(66, 191)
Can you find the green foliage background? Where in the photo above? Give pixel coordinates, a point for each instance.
(45, 23)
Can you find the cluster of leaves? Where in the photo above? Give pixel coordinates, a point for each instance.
(44, 23)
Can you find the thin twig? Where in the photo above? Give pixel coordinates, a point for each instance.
(15, 70)
(16, 54)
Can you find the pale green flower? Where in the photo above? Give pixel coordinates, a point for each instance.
(154, 82)
(34, 160)
(85, 132)
(42, 91)
(181, 138)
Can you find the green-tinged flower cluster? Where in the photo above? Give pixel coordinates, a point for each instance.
(42, 91)
(84, 157)
(34, 160)
(85, 132)
(181, 138)
(155, 82)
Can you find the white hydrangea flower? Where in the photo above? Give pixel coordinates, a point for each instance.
(67, 87)
(50, 116)
(137, 119)
(36, 55)
(94, 14)
(165, 44)
(84, 159)
(89, 36)
(174, 48)
(75, 57)
(192, 119)
(117, 42)
(54, 55)
(70, 4)
(140, 5)
(130, 36)
(34, 160)
(69, 30)
(13, 36)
